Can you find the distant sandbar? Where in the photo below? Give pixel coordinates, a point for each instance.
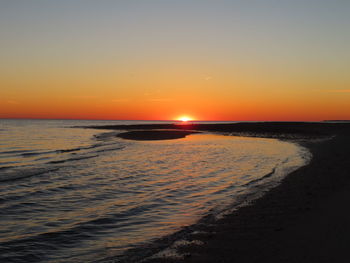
(154, 135)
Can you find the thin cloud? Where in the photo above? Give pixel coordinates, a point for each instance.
(160, 99)
(120, 100)
(85, 97)
(339, 91)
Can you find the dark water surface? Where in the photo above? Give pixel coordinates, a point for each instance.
(82, 195)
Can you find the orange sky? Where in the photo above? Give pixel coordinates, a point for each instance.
(223, 60)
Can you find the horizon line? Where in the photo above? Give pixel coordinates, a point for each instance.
(77, 119)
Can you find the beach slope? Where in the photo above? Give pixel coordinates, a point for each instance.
(304, 219)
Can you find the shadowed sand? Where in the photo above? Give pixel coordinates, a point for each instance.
(154, 135)
(304, 219)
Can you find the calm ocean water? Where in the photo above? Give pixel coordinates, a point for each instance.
(83, 195)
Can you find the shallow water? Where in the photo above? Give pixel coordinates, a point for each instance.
(81, 195)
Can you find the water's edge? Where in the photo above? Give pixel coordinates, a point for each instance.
(167, 247)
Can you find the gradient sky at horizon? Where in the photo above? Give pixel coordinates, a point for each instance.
(161, 59)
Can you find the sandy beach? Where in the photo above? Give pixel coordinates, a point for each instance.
(304, 219)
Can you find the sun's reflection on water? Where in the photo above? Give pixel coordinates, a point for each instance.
(141, 191)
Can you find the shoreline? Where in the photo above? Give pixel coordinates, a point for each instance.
(300, 220)
(303, 219)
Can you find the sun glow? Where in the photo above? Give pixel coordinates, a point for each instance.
(185, 118)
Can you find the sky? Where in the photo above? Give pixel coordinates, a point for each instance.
(273, 60)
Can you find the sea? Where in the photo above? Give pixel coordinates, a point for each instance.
(75, 194)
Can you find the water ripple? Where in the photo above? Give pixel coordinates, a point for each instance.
(101, 195)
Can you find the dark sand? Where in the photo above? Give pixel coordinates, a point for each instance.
(147, 135)
(304, 219)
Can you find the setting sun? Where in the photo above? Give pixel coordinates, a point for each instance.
(184, 118)
(170, 117)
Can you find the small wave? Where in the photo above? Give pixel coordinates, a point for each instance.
(261, 178)
(110, 149)
(106, 136)
(78, 149)
(73, 234)
(15, 152)
(29, 154)
(16, 174)
(7, 163)
(68, 150)
(172, 252)
(72, 159)
(10, 173)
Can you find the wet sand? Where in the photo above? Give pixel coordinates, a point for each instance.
(304, 219)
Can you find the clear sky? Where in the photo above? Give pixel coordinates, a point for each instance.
(160, 59)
